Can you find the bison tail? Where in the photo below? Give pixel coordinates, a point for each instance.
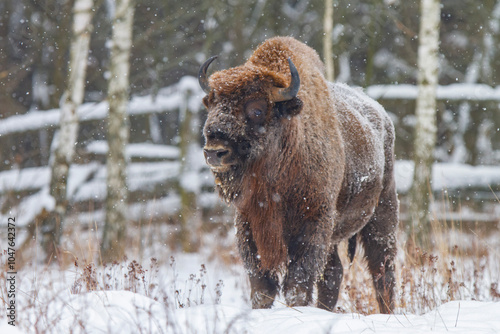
(351, 247)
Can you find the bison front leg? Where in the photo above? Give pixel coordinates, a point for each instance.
(329, 284)
(298, 286)
(308, 254)
(263, 284)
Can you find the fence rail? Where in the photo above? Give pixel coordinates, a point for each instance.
(453, 92)
(171, 98)
(168, 99)
(159, 165)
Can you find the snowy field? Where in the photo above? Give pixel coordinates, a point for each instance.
(126, 312)
(454, 289)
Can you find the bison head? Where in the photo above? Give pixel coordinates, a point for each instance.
(246, 107)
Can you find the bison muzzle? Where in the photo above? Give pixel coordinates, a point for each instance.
(306, 164)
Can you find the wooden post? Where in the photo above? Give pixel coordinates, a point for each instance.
(189, 219)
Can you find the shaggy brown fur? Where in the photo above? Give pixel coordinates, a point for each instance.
(303, 174)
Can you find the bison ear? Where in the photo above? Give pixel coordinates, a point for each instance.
(288, 108)
(205, 101)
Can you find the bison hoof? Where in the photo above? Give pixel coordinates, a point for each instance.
(261, 300)
(298, 296)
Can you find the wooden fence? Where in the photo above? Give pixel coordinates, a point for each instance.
(154, 172)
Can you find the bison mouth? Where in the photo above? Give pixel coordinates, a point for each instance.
(222, 158)
(227, 161)
(219, 158)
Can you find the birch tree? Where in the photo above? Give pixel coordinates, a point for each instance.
(65, 138)
(425, 132)
(327, 40)
(113, 239)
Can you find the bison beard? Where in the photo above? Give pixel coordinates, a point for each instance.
(306, 164)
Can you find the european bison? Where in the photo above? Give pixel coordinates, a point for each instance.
(306, 164)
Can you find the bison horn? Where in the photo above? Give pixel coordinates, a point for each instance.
(202, 74)
(285, 94)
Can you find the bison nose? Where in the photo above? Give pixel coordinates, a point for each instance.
(214, 157)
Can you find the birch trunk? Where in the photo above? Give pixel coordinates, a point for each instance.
(113, 239)
(425, 132)
(327, 40)
(66, 137)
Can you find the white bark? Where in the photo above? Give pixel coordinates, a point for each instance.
(68, 132)
(425, 132)
(327, 40)
(118, 133)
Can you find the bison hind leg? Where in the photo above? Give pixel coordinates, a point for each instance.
(263, 289)
(379, 241)
(381, 266)
(329, 283)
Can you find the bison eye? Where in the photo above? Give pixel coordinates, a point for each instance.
(256, 114)
(256, 111)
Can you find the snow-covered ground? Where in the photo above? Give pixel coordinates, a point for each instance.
(126, 312)
(208, 292)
